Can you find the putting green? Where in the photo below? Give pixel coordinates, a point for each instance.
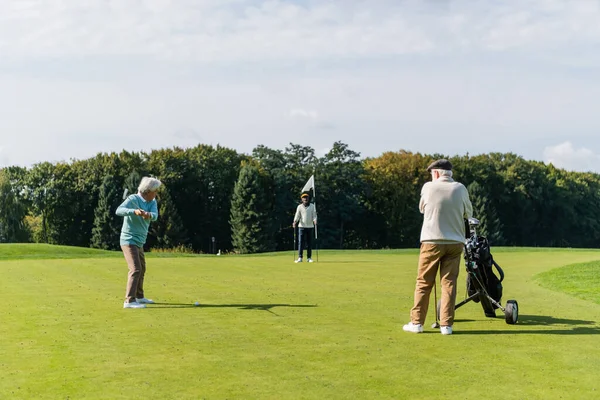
(271, 329)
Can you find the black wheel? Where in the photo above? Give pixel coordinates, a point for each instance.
(511, 312)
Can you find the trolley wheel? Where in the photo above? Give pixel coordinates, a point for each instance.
(511, 312)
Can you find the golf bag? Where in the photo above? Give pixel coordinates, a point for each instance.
(481, 255)
(483, 285)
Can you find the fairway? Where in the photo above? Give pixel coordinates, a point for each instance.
(271, 329)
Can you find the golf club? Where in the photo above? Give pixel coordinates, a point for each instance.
(436, 324)
(294, 243)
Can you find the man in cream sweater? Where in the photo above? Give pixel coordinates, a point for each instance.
(445, 205)
(306, 215)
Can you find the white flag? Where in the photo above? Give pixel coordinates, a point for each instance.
(310, 184)
(125, 193)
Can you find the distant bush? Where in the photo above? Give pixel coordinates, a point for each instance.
(182, 249)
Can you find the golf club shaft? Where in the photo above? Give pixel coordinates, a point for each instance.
(437, 322)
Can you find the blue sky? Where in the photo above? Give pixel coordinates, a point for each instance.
(451, 77)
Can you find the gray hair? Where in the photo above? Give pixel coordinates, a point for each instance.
(148, 185)
(444, 172)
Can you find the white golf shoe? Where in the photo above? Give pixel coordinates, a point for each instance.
(133, 304)
(310, 260)
(446, 330)
(298, 260)
(144, 300)
(414, 328)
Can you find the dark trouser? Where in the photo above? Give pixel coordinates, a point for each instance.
(305, 233)
(136, 262)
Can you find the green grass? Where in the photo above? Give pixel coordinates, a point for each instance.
(46, 252)
(580, 280)
(25, 251)
(271, 329)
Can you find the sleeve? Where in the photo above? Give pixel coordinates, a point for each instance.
(423, 199)
(154, 211)
(468, 205)
(126, 208)
(297, 216)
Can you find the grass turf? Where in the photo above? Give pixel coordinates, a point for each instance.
(580, 280)
(271, 329)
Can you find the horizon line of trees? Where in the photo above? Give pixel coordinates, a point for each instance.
(216, 198)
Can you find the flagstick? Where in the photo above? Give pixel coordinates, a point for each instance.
(317, 243)
(316, 231)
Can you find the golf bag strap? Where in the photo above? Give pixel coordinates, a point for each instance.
(500, 272)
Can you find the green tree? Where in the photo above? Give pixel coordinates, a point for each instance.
(340, 203)
(490, 225)
(201, 181)
(251, 210)
(105, 233)
(39, 185)
(289, 171)
(394, 182)
(12, 213)
(132, 182)
(169, 231)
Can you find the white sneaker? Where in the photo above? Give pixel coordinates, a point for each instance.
(309, 260)
(144, 300)
(446, 330)
(414, 328)
(133, 304)
(298, 260)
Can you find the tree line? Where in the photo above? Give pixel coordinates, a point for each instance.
(216, 198)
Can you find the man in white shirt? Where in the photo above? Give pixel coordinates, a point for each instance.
(306, 216)
(445, 204)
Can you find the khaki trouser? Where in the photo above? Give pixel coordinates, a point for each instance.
(136, 262)
(446, 257)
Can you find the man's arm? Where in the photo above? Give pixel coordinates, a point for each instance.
(296, 217)
(125, 208)
(153, 211)
(423, 199)
(468, 205)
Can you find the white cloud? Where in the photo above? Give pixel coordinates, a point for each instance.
(82, 76)
(217, 31)
(566, 156)
(303, 114)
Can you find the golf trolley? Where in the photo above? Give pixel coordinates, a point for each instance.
(483, 286)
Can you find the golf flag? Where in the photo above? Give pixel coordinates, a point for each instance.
(310, 184)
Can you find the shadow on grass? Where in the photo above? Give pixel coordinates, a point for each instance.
(545, 320)
(542, 320)
(574, 331)
(347, 262)
(260, 307)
